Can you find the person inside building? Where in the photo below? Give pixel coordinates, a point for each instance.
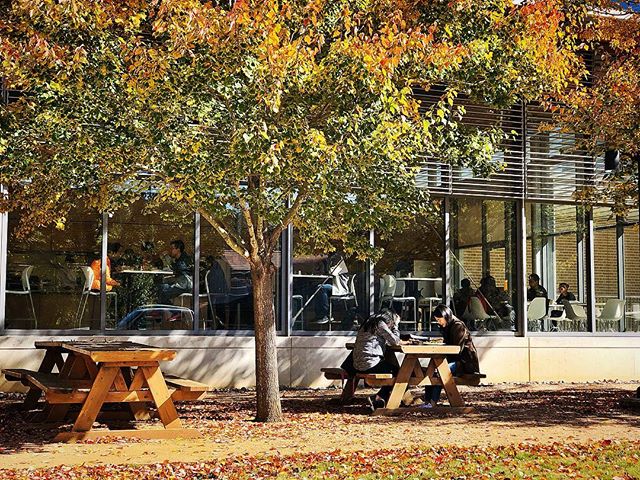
(335, 267)
(535, 289)
(496, 301)
(182, 279)
(564, 293)
(454, 332)
(462, 296)
(113, 253)
(368, 355)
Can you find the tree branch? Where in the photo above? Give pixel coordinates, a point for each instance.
(293, 211)
(246, 212)
(236, 244)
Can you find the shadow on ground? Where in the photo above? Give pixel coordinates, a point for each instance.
(502, 406)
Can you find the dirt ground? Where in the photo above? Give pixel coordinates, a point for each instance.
(316, 422)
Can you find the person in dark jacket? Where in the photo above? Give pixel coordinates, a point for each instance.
(454, 332)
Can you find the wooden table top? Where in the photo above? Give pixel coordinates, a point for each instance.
(111, 351)
(427, 348)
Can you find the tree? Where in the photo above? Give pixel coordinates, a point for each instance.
(277, 112)
(605, 106)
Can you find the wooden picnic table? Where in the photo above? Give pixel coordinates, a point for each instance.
(412, 373)
(99, 372)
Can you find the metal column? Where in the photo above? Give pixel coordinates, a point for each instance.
(521, 267)
(195, 304)
(447, 284)
(4, 226)
(590, 270)
(286, 279)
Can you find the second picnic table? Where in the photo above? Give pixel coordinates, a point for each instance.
(412, 373)
(95, 373)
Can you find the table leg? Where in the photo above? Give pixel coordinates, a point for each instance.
(161, 397)
(139, 410)
(75, 367)
(402, 381)
(449, 384)
(93, 403)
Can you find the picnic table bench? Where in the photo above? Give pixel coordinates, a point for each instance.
(411, 373)
(99, 372)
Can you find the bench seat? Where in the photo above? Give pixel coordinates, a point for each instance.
(372, 379)
(47, 382)
(60, 390)
(382, 379)
(186, 389)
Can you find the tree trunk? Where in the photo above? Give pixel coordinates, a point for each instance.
(267, 384)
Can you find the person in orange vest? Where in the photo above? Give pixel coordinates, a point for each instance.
(113, 251)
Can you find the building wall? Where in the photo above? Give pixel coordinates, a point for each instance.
(229, 361)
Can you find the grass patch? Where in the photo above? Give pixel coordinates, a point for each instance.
(604, 459)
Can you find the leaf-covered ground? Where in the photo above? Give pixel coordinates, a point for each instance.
(524, 430)
(602, 459)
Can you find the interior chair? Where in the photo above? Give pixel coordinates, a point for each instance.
(476, 315)
(430, 298)
(341, 295)
(189, 295)
(26, 290)
(537, 315)
(400, 297)
(87, 292)
(577, 315)
(297, 306)
(219, 294)
(611, 319)
(387, 290)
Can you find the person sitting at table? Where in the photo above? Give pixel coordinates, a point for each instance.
(182, 279)
(367, 356)
(462, 296)
(495, 301)
(113, 252)
(564, 293)
(454, 332)
(535, 289)
(336, 268)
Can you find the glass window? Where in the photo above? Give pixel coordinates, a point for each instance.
(632, 273)
(409, 276)
(226, 293)
(609, 307)
(51, 282)
(151, 260)
(554, 244)
(329, 289)
(483, 263)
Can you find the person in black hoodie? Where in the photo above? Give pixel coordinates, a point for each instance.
(454, 332)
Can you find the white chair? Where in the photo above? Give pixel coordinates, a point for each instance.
(392, 291)
(86, 292)
(575, 312)
(430, 299)
(611, 318)
(26, 290)
(475, 315)
(537, 314)
(387, 290)
(340, 294)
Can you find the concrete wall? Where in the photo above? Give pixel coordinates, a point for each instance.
(229, 361)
